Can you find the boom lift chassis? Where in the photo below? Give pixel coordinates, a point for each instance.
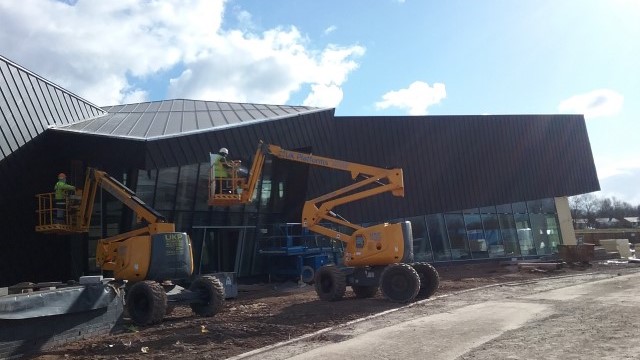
(146, 260)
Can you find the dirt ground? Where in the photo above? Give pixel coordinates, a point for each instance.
(266, 314)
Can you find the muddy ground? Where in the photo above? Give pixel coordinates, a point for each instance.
(266, 314)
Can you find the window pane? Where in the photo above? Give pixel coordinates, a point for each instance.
(554, 232)
(146, 185)
(525, 234)
(438, 236)
(421, 245)
(475, 234)
(493, 235)
(509, 234)
(182, 219)
(457, 236)
(166, 190)
(545, 233)
(186, 187)
(202, 197)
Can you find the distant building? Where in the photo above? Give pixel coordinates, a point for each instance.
(477, 187)
(632, 221)
(580, 224)
(607, 222)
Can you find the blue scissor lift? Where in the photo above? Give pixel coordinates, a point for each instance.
(295, 253)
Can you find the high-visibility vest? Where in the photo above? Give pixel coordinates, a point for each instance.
(61, 189)
(219, 170)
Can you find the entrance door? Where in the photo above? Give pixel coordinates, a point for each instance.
(219, 249)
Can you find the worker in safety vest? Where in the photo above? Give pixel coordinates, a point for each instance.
(221, 166)
(61, 192)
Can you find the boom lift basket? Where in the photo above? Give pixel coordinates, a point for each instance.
(47, 212)
(226, 191)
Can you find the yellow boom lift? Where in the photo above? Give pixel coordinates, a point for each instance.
(149, 258)
(375, 257)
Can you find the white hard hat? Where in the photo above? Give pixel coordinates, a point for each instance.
(223, 151)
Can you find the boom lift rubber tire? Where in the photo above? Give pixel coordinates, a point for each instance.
(307, 274)
(331, 283)
(364, 292)
(212, 292)
(429, 279)
(146, 302)
(400, 283)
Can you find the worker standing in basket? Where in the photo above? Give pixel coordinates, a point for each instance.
(222, 168)
(61, 190)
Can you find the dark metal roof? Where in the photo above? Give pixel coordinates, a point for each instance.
(30, 104)
(169, 118)
(458, 162)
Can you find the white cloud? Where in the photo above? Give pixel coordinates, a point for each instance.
(330, 29)
(101, 50)
(417, 98)
(620, 165)
(594, 104)
(618, 177)
(267, 68)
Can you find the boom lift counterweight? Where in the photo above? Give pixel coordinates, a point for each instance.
(378, 256)
(149, 258)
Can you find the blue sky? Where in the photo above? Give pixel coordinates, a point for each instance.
(363, 57)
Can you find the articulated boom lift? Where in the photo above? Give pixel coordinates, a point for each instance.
(378, 256)
(148, 258)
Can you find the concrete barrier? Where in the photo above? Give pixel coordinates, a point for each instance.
(619, 245)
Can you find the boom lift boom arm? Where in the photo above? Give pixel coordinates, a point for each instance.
(96, 178)
(385, 242)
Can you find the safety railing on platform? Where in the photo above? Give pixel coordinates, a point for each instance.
(56, 216)
(224, 191)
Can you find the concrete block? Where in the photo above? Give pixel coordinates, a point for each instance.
(4, 291)
(619, 245)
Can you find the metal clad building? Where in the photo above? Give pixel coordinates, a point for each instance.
(464, 175)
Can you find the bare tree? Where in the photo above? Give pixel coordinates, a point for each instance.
(586, 205)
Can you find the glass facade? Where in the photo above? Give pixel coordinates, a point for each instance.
(228, 239)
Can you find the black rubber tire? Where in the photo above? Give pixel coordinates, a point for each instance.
(307, 274)
(211, 292)
(146, 302)
(400, 283)
(364, 292)
(331, 283)
(429, 279)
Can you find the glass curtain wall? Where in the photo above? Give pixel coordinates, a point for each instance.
(181, 194)
(544, 226)
(508, 230)
(502, 231)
